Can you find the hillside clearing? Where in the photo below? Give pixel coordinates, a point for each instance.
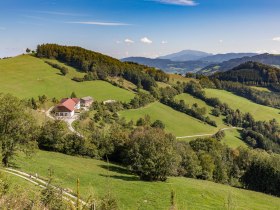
(190, 100)
(259, 112)
(175, 122)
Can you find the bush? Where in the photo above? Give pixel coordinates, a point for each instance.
(151, 154)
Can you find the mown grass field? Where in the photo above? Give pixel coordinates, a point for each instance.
(175, 122)
(259, 112)
(99, 177)
(26, 76)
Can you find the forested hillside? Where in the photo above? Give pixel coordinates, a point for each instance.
(268, 59)
(253, 73)
(98, 66)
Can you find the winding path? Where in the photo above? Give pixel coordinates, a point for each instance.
(42, 183)
(202, 135)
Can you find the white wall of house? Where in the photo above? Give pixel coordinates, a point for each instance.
(78, 106)
(65, 114)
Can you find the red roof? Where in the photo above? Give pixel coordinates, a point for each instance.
(67, 104)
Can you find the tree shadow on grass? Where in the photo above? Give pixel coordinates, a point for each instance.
(124, 178)
(14, 165)
(116, 169)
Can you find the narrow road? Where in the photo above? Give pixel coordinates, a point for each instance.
(41, 183)
(202, 135)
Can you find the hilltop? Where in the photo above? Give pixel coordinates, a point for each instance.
(186, 55)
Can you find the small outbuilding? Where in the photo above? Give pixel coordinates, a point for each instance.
(86, 101)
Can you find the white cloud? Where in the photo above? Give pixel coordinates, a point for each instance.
(164, 42)
(128, 41)
(276, 39)
(146, 40)
(178, 2)
(100, 23)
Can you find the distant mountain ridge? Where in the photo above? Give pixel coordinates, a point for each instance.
(225, 57)
(169, 66)
(199, 62)
(269, 59)
(186, 55)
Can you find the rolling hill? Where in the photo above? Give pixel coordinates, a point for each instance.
(218, 58)
(26, 76)
(175, 122)
(98, 177)
(268, 59)
(251, 72)
(259, 112)
(170, 66)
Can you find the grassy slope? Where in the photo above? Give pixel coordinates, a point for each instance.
(134, 194)
(175, 122)
(26, 76)
(192, 100)
(260, 112)
(264, 89)
(232, 138)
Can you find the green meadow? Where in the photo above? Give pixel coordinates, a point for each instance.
(259, 112)
(98, 177)
(190, 100)
(26, 76)
(175, 122)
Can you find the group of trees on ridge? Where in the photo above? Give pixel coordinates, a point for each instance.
(99, 66)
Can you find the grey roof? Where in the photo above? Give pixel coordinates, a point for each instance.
(87, 98)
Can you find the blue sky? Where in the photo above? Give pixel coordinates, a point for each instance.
(148, 28)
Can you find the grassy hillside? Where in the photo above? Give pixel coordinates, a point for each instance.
(99, 177)
(189, 99)
(175, 122)
(264, 89)
(233, 139)
(259, 112)
(26, 76)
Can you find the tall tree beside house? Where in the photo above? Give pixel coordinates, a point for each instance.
(18, 130)
(73, 95)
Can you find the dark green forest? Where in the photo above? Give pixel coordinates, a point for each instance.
(99, 66)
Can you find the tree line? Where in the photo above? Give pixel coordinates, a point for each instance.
(147, 150)
(264, 135)
(99, 66)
